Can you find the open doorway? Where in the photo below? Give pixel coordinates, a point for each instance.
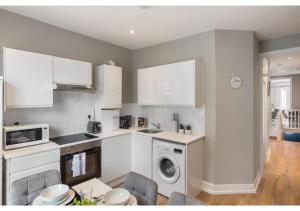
(280, 98)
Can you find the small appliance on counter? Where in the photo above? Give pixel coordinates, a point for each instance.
(93, 126)
(126, 121)
(17, 136)
(110, 119)
(142, 122)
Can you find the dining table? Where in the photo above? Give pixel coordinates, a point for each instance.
(98, 190)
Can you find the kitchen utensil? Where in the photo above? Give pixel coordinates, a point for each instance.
(86, 193)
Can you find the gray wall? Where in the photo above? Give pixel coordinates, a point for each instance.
(229, 113)
(234, 52)
(290, 41)
(200, 46)
(296, 91)
(257, 109)
(20, 32)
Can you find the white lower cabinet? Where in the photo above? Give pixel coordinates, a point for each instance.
(141, 154)
(27, 165)
(115, 157)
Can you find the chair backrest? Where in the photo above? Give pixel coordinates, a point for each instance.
(181, 199)
(24, 191)
(143, 188)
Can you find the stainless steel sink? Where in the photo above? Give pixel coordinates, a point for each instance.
(151, 131)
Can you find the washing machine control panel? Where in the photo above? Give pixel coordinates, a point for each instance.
(177, 151)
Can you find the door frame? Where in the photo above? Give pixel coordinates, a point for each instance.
(265, 117)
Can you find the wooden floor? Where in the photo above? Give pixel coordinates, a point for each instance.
(280, 184)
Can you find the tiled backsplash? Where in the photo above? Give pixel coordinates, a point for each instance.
(70, 110)
(164, 114)
(67, 116)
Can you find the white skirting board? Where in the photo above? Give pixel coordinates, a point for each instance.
(232, 188)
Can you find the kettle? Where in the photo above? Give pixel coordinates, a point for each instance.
(93, 126)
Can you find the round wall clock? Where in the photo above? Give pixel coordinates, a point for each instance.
(235, 82)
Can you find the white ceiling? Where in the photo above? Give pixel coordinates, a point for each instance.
(285, 63)
(164, 23)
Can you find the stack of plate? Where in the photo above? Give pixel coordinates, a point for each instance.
(55, 195)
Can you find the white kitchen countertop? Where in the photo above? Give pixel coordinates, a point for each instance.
(165, 135)
(7, 154)
(175, 137)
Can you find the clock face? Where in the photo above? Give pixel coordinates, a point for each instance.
(236, 82)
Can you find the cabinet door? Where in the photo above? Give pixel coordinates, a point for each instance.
(68, 71)
(149, 86)
(115, 158)
(141, 154)
(112, 87)
(178, 83)
(28, 79)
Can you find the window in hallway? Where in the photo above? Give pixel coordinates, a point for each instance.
(281, 93)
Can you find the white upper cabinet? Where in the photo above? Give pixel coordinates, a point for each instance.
(177, 84)
(28, 79)
(72, 72)
(109, 87)
(149, 86)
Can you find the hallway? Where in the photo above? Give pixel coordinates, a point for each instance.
(280, 184)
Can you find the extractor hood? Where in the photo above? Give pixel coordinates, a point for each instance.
(75, 88)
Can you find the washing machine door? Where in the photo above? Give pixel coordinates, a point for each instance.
(168, 168)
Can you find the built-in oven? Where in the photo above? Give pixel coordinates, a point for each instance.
(88, 165)
(17, 136)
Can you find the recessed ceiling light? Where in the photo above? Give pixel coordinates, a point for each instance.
(289, 58)
(131, 31)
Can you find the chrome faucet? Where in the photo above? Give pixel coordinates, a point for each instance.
(157, 125)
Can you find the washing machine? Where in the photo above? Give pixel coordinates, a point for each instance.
(169, 170)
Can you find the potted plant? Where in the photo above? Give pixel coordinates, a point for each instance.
(188, 130)
(181, 128)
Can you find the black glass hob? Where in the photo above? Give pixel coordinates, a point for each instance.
(61, 140)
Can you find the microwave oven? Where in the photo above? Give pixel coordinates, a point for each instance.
(25, 135)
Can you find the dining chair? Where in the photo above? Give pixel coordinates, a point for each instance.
(25, 190)
(181, 199)
(143, 188)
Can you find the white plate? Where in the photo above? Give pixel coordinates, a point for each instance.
(132, 201)
(54, 193)
(70, 195)
(118, 196)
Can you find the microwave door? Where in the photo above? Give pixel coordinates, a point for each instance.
(21, 138)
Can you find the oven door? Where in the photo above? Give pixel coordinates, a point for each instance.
(92, 167)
